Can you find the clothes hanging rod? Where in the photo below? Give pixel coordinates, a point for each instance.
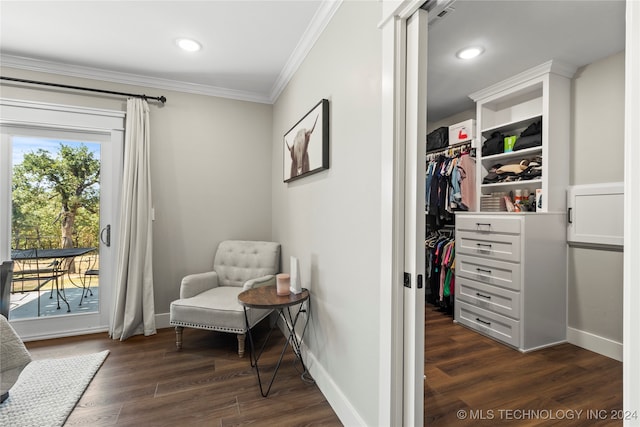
(161, 99)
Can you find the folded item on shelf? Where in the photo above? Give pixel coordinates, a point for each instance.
(491, 178)
(528, 142)
(515, 168)
(493, 145)
(524, 169)
(532, 173)
(532, 129)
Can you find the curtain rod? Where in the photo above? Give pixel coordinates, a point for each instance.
(161, 99)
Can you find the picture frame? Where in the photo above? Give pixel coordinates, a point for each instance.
(305, 147)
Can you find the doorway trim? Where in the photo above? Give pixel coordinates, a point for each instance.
(631, 275)
(393, 140)
(393, 25)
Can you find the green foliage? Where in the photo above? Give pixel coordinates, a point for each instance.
(58, 194)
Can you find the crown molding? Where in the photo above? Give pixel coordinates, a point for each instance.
(554, 66)
(69, 70)
(318, 23)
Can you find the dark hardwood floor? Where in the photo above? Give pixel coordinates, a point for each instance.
(145, 381)
(472, 380)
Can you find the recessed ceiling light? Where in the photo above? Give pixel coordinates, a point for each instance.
(469, 52)
(189, 45)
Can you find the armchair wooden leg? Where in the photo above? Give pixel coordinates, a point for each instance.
(241, 338)
(179, 337)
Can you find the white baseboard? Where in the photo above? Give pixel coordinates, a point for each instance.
(339, 402)
(26, 337)
(162, 321)
(595, 343)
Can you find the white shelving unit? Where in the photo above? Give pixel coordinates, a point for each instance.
(541, 93)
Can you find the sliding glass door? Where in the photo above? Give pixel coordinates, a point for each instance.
(59, 186)
(55, 206)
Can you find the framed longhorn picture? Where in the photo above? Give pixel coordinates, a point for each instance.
(306, 145)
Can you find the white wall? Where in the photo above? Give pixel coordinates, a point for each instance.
(597, 126)
(597, 155)
(331, 220)
(210, 171)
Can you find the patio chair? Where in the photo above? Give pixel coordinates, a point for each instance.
(87, 272)
(34, 269)
(6, 275)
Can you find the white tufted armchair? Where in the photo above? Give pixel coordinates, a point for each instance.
(210, 300)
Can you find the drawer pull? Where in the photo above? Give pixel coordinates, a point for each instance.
(484, 245)
(482, 270)
(483, 224)
(483, 321)
(483, 296)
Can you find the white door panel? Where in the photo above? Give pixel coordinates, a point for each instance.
(415, 149)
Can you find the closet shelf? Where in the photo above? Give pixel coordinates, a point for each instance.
(524, 183)
(510, 107)
(513, 154)
(512, 126)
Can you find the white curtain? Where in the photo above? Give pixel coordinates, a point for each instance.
(134, 311)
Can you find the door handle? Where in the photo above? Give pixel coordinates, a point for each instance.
(107, 231)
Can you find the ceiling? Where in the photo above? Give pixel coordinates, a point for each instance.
(251, 48)
(247, 45)
(516, 35)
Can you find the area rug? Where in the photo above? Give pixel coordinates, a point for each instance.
(48, 390)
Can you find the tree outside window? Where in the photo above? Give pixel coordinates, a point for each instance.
(57, 192)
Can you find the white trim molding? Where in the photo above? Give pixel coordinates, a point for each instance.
(319, 22)
(392, 130)
(317, 25)
(339, 402)
(631, 276)
(595, 343)
(553, 66)
(68, 70)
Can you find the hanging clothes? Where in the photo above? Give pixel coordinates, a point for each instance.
(467, 170)
(449, 182)
(440, 254)
(449, 187)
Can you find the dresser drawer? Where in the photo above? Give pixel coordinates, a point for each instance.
(492, 298)
(492, 324)
(502, 247)
(493, 272)
(489, 224)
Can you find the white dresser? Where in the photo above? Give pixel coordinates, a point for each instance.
(511, 275)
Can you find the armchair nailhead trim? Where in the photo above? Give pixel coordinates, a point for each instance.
(210, 328)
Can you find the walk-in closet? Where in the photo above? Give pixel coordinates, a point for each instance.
(543, 106)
